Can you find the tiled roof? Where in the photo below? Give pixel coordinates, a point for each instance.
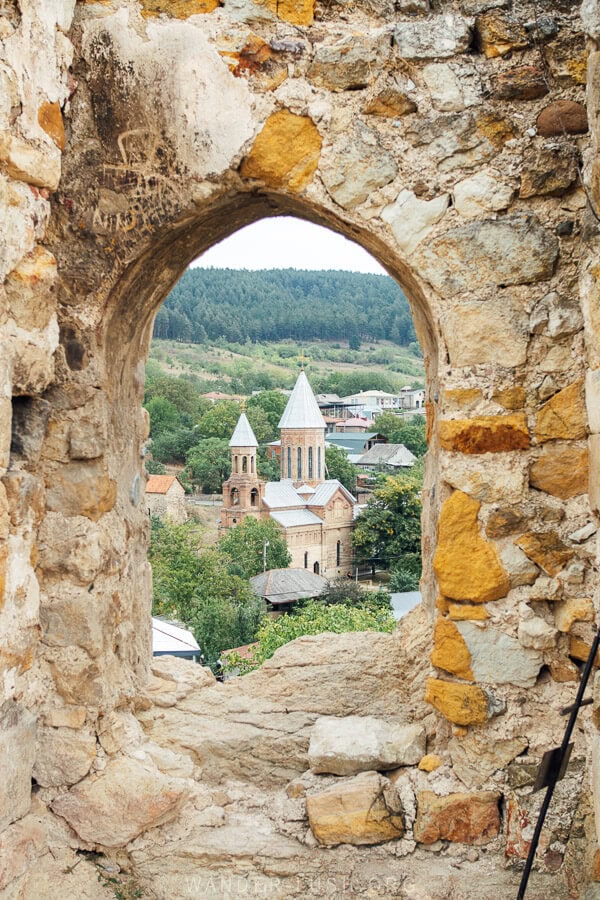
(243, 436)
(302, 410)
(287, 585)
(159, 484)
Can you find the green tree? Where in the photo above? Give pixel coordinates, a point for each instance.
(261, 425)
(268, 468)
(164, 415)
(198, 588)
(339, 466)
(345, 590)
(273, 404)
(154, 467)
(220, 420)
(209, 464)
(313, 618)
(244, 547)
(390, 527)
(411, 432)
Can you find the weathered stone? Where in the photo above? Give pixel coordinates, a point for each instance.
(478, 333)
(563, 416)
(547, 550)
(512, 250)
(81, 489)
(521, 83)
(592, 399)
(285, 153)
(29, 290)
(520, 569)
(350, 64)
(17, 752)
(480, 194)
(594, 484)
(485, 434)
(511, 398)
(466, 565)
(177, 9)
(65, 717)
(430, 763)
(70, 545)
(50, 119)
(87, 439)
(411, 219)
(487, 477)
(63, 756)
(390, 103)
(346, 746)
(562, 117)
(475, 757)
(458, 612)
(23, 160)
(463, 140)
(579, 609)
(463, 704)
(66, 621)
(433, 38)
(143, 796)
(583, 534)
(550, 171)
(365, 810)
(498, 34)
(561, 470)
(556, 316)
(498, 658)
(467, 818)
(21, 845)
(29, 423)
(450, 651)
(444, 87)
(355, 170)
(580, 649)
(536, 634)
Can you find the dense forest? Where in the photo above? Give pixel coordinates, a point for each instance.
(284, 304)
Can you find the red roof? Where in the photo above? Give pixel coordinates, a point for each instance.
(246, 651)
(160, 484)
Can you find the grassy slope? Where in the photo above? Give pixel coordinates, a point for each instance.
(280, 359)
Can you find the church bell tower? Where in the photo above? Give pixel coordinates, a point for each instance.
(243, 490)
(302, 430)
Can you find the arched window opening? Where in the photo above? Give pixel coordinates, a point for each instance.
(310, 462)
(338, 553)
(235, 497)
(306, 560)
(316, 568)
(289, 462)
(252, 464)
(318, 462)
(253, 497)
(299, 471)
(244, 463)
(235, 463)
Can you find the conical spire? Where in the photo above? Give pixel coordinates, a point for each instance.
(243, 436)
(302, 410)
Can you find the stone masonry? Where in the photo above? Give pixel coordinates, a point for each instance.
(456, 142)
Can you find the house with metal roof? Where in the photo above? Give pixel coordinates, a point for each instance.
(316, 514)
(165, 498)
(284, 587)
(397, 456)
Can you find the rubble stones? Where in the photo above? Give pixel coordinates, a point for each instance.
(346, 746)
(485, 434)
(411, 219)
(390, 103)
(468, 818)
(63, 756)
(434, 37)
(498, 34)
(520, 83)
(365, 810)
(480, 194)
(17, 752)
(547, 550)
(350, 64)
(498, 658)
(561, 470)
(355, 171)
(563, 416)
(562, 117)
(550, 171)
(285, 153)
(463, 704)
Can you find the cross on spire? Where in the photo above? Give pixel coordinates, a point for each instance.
(303, 360)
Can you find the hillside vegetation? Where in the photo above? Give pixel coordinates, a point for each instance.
(284, 304)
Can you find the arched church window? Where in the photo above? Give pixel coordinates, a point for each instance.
(252, 464)
(310, 462)
(244, 463)
(318, 462)
(253, 497)
(299, 474)
(306, 560)
(289, 462)
(316, 568)
(235, 463)
(338, 553)
(235, 497)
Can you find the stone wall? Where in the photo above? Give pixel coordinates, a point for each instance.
(445, 140)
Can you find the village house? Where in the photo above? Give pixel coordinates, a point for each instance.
(315, 514)
(165, 498)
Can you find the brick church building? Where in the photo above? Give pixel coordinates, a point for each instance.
(316, 514)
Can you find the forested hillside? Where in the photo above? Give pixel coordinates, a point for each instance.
(284, 304)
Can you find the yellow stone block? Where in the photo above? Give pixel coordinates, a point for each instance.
(430, 763)
(177, 9)
(561, 470)
(580, 609)
(466, 565)
(285, 153)
(296, 12)
(563, 416)
(460, 612)
(51, 120)
(511, 398)
(450, 651)
(485, 434)
(463, 704)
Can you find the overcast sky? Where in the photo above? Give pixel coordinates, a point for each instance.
(288, 243)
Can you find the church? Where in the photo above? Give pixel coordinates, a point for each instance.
(315, 514)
